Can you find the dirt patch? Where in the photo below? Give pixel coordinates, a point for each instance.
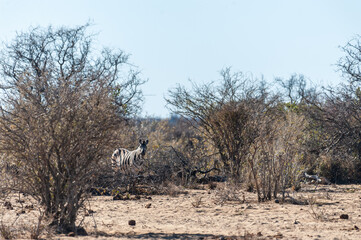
(201, 215)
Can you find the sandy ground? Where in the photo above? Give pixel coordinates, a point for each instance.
(222, 213)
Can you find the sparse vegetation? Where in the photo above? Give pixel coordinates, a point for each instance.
(315, 211)
(64, 108)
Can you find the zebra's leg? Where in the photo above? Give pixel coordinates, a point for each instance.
(133, 183)
(130, 182)
(127, 180)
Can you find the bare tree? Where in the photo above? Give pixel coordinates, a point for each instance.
(251, 129)
(276, 162)
(350, 64)
(61, 102)
(336, 114)
(295, 91)
(225, 114)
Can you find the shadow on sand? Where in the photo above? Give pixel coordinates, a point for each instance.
(132, 235)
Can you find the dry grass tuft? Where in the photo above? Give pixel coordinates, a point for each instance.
(229, 193)
(316, 212)
(197, 203)
(172, 190)
(38, 229)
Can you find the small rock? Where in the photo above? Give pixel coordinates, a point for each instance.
(296, 222)
(278, 235)
(356, 227)
(81, 231)
(344, 216)
(8, 205)
(131, 222)
(71, 234)
(20, 212)
(277, 201)
(89, 212)
(148, 205)
(259, 234)
(148, 197)
(212, 185)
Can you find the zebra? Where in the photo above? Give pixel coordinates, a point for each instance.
(130, 161)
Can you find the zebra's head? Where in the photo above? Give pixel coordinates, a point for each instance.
(143, 146)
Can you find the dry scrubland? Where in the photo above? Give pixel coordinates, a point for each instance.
(220, 213)
(65, 107)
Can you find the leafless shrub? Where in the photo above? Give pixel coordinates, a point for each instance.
(39, 227)
(249, 128)
(229, 193)
(336, 116)
(60, 106)
(225, 115)
(349, 65)
(315, 211)
(279, 153)
(276, 162)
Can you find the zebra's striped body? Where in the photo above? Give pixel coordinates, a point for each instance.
(118, 154)
(130, 161)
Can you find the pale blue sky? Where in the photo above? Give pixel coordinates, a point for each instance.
(175, 40)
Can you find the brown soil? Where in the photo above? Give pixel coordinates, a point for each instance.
(222, 213)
